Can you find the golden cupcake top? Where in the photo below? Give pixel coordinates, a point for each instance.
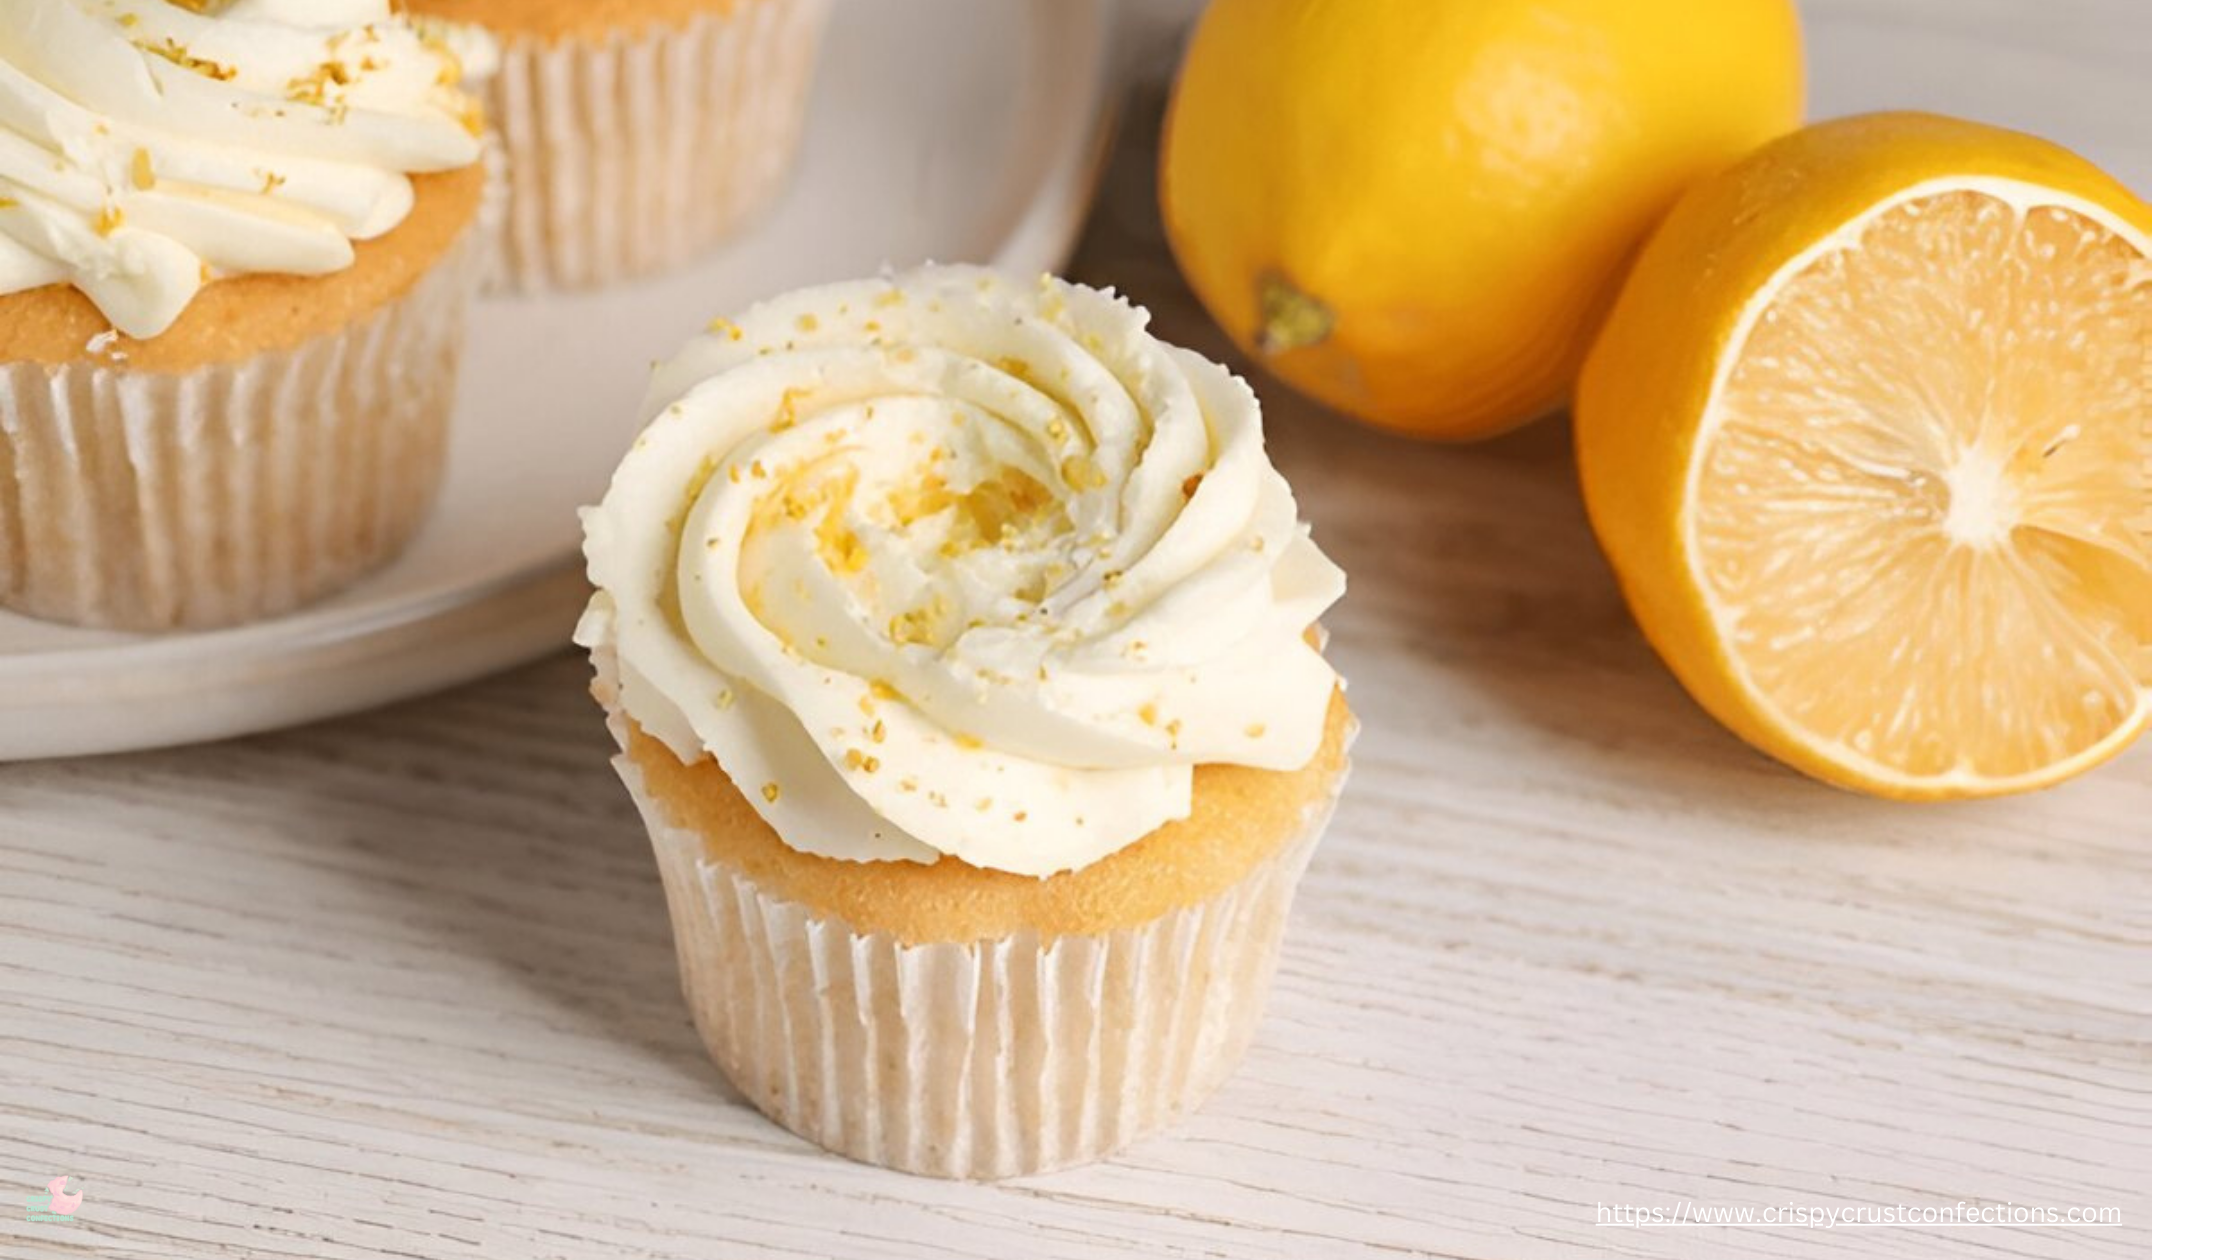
(151, 147)
(575, 20)
(947, 564)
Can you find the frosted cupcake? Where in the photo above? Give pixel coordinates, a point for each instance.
(960, 643)
(235, 252)
(639, 133)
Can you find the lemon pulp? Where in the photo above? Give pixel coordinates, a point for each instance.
(1920, 508)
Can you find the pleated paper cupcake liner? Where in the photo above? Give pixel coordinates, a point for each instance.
(151, 500)
(633, 155)
(992, 1059)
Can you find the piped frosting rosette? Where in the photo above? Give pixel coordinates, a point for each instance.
(946, 564)
(149, 147)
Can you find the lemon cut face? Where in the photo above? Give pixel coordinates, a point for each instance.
(1920, 505)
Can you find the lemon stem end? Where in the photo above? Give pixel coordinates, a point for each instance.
(1290, 319)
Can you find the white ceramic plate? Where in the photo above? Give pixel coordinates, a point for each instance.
(968, 130)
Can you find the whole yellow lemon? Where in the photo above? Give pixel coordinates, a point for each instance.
(1417, 213)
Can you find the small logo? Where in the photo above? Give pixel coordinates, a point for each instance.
(57, 1206)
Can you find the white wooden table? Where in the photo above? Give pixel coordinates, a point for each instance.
(400, 985)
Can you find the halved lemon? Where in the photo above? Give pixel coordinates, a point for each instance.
(1867, 440)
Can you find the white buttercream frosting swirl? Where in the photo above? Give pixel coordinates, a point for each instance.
(148, 147)
(948, 564)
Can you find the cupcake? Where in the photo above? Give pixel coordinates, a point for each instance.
(961, 646)
(236, 244)
(639, 133)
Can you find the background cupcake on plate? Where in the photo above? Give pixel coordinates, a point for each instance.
(236, 243)
(639, 133)
(961, 644)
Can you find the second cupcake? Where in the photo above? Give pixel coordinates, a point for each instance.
(961, 644)
(639, 133)
(235, 252)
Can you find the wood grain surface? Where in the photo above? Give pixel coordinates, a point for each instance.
(400, 985)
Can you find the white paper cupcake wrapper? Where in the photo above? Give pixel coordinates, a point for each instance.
(151, 500)
(633, 155)
(994, 1059)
